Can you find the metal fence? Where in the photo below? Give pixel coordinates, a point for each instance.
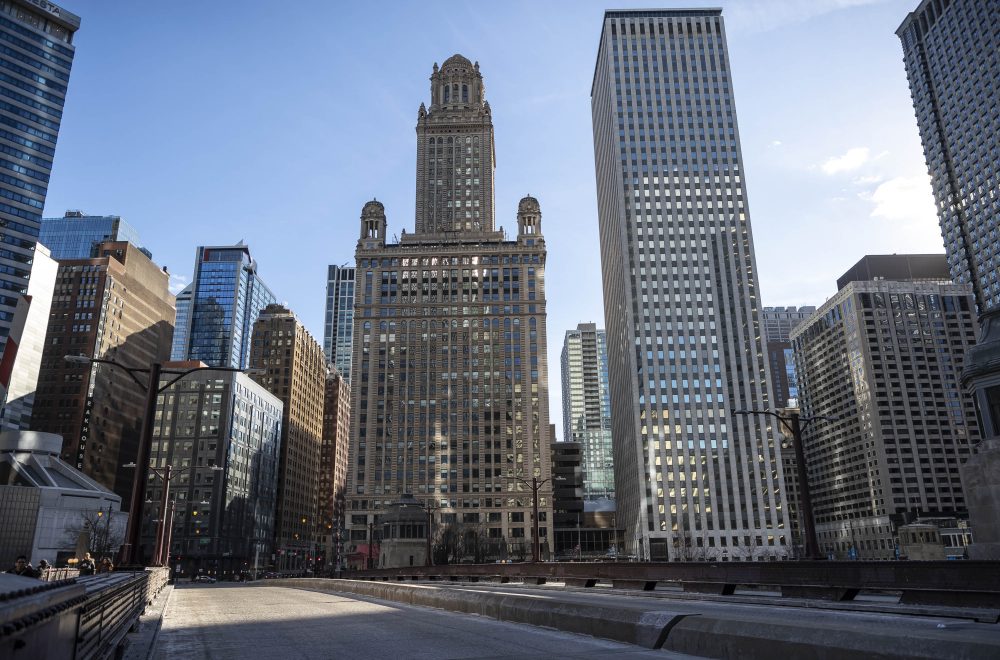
(92, 618)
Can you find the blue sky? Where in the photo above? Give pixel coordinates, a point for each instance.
(207, 123)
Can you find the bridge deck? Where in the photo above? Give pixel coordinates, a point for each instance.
(260, 621)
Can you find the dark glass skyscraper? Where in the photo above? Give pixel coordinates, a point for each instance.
(338, 328)
(226, 299)
(35, 60)
(76, 236)
(681, 296)
(952, 53)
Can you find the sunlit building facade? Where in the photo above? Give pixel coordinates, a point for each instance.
(36, 60)
(450, 388)
(338, 328)
(681, 297)
(227, 295)
(587, 407)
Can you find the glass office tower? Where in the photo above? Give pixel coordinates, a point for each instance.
(338, 335)
(226, 299)
(587, 407)
(35, 63)
(76, 235)
(950, 49)
(681, 298)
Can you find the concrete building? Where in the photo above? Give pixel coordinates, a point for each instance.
(115, 306)
(338, 329)
(36, 59)
(333, 469)
(949, 48)
(883, 358)
(220, 432)
(900, 267)
(778, 323)
(681, 297)
(450, 392)
(587, 407)
(227, 295)
(48, 509)
(289, 363)
(22, 353)
(77, 235)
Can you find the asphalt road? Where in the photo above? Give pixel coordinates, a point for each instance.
(251, 621)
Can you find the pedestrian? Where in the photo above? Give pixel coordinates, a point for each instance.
(23, 568)
(43, 567)
(86, 565)
(106, 566)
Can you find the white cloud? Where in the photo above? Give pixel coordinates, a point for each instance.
(854, 158)
(177, 283)
(775, 143)
(868, 180)
(905, 199)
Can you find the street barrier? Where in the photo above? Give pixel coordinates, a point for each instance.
(974, 584)
(80, 617)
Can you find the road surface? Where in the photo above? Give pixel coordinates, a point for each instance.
(222, 621)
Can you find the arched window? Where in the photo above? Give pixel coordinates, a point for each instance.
(447, 93)
(465, 93)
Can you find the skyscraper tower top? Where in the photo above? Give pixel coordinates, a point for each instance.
(455, 153)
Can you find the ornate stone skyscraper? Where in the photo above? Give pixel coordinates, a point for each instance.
(681, 300)
(450, 387)
(455, 158)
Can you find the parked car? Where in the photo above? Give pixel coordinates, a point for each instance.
(205, 578)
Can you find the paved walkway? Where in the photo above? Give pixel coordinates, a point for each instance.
(224, 621)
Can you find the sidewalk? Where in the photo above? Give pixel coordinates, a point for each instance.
(140, 643)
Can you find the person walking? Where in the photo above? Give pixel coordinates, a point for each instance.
(23, 568)
(106, 566)
(86, 565)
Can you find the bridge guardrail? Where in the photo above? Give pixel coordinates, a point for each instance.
(80, 617)
(940, 583)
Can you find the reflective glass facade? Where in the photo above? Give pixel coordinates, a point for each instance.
(36, 54)
(950, 50)
(338, 328)
(681, 295)
(587, 407)
(182, 324)
(228, 295)
(75, 236)
(223, 520)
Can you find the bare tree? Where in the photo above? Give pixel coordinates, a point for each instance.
(101, 537)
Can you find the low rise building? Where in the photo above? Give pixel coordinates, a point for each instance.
(50, 510)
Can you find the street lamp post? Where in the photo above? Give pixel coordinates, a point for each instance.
(152, 389)
(795, 424)
(371, 538)
(534, 485)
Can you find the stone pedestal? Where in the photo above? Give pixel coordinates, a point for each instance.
(981, 483)
(981, 473)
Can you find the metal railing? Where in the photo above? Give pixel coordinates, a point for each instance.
(936, 583)
(89, 616)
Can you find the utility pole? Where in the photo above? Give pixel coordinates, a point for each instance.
(792, 421)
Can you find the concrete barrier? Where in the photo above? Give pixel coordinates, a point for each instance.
(681, 627)
(646, 629)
